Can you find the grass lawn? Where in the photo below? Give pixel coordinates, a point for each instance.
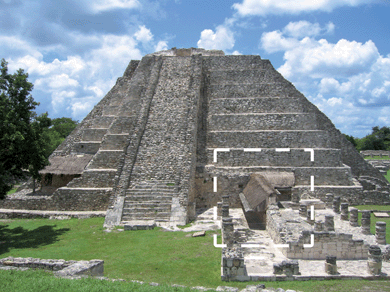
(11, 191)
(377, 158)
(150, 256)
(387, 176)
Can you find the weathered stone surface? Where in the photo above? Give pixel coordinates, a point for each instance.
(199, 233)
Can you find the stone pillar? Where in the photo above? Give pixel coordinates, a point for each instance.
(380, 232)
(353, 217)
(225, 211)
(366, 222)
(319, 226)
(329, 200)
(308, 217)
(344, 211)
(336, 204)
(303, 210)
(225, 200)
(227, 231)
(233, 265)
(330, 265)
(374, 261)
(219, 209)
(329, 223)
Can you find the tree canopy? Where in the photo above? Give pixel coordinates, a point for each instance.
(379, 139)
(26, 140)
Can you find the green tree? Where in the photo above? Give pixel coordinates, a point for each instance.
(379, 139)
(59, 129)
(22, 143)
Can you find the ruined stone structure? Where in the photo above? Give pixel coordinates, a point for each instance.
(149, 148)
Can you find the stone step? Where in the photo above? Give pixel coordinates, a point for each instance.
(135, 209)
(144, 197)
(235, 63)
(122, 125)
(155, 204)
(101, 122)
(238, 90)
(337, 176)
(269, 139)
(105, 159)
(94, 178)
(145, 215)
(87, 147)
(257, 105)
(149, 192)
(243, 76)
(259, 121)
(114, 142)
(93, 134)
(295, 157)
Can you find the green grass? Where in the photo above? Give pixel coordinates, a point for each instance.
(387, 176)
(43, 281)
(151, 256)
(375, 219)
(11, 191)
(377, 158)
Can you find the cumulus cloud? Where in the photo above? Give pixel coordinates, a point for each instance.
(221, 39)
(350, 79)
(143, 35)
(161, 46)
(105, 5)
(266, 7)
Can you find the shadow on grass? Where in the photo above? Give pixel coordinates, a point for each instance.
(19, 237)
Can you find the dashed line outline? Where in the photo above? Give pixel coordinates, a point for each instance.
(311, 150)
(215, 184)
(216, 150)
(282, 149)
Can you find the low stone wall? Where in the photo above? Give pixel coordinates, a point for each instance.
(294, 231)
(24, 214)
(371, 153)
(62, 268)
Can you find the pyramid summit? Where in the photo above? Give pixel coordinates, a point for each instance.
(183, 127)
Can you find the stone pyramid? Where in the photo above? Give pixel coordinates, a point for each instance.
(183, 127)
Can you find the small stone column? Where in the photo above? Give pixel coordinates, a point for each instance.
(319, 226)
(330, 265)
(366, 222)
(302, 210)
(353, 217)
(225, 211)
(329, 201)
(219, 209)
(227, 231)
(374, 261)
(225, 200)
(233, 264)
(329, 223)
(380, 232)
(336, 205)
(344, 211)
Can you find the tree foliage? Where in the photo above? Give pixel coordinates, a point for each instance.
(59, 129)
(379, 139)
(22, 145)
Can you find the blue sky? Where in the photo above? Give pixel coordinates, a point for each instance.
(336, 52)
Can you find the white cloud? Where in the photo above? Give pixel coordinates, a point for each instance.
(161, 46)
(351, 80)
(105, 5)
(221, 39)
(143, 35)
(237, 53)
(266, 7)
(56, 82)
(302, 28)
(274, 41)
